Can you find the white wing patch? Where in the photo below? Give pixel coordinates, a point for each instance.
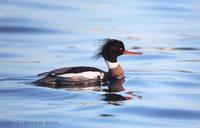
(88, 74)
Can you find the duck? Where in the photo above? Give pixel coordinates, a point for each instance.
(83, 76)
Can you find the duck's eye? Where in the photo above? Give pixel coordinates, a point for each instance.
(121, 49)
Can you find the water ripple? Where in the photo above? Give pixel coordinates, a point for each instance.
(15, 20)
(168, 48)
(161, 87)
(25, 30)
(172, 113)
(34, 5)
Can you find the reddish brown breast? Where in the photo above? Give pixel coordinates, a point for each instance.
(116, 73)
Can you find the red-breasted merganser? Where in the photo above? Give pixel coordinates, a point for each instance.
(83, 75)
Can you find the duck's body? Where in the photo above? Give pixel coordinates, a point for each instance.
(88, 76)
(72, 76)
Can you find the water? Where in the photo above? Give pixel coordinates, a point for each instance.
(162, 87)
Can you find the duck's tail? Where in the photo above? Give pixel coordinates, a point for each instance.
(48, 81)
(43, 74)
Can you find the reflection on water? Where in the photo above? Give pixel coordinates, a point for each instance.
(114, 98)
(115, 86)
(161, 88)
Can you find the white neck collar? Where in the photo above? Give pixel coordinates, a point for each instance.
(112, 65)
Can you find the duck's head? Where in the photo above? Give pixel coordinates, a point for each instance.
(112, 49)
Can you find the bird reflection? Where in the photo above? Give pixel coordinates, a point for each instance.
(115, 99)
(112, 97)
(113, 90)
(115, 86)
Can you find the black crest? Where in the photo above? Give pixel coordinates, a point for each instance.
(111, 49)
